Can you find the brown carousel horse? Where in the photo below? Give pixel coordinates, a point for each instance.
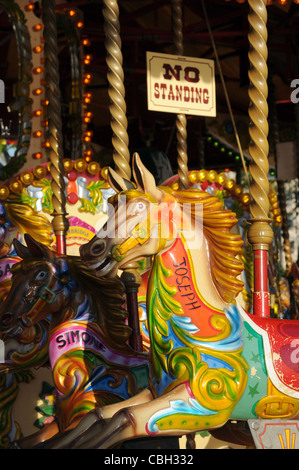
(91, 362)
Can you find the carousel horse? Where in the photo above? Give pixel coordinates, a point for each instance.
(29, 350)
(209, 360)
(91, 362)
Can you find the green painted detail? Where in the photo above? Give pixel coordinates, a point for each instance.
(256, 387)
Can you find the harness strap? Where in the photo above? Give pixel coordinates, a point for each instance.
(141, 233)
(46, 295)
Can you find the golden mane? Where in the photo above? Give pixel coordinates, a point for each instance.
(225, 247)
(30, 221)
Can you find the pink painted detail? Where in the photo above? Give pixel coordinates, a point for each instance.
(188, 388)
(149, 432)
(75, 221)
(72, 336)
(5, 267)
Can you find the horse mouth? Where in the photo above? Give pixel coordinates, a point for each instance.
(103, 267)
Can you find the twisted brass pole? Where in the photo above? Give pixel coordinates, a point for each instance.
(181, 121)
(55, 152)
(260, 233)
(121, 155)
(115, 76)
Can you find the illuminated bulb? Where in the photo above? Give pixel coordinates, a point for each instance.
(46, 144)
(85, 42)
(38, 112)
(87, 97)
(37, 91)
(37, 133)
(87, 78)
(37, 155)
(44, 123)
(38, 49)
(87, 59)
(80, 24)
(44, 102)
(72, 12)
(37, 27)
(37, 70)
(29, 7)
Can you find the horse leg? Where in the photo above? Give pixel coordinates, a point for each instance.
(92, 423)
(29, 442)
(134, 421)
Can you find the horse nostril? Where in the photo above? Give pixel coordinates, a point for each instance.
(7, 318)
(98, 248)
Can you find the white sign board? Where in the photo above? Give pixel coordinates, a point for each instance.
(181, 85)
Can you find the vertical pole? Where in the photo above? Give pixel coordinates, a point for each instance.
(121, 154)
(181, 121)
(115, 76)
(260, 233)
(55, 152)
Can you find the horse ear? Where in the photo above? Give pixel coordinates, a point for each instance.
(144, 179)
(117, 182)
(33, 249)
(21, 250)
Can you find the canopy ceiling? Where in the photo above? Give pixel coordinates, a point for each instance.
(146, 26)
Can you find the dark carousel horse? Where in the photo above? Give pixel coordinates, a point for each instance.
(91, 361)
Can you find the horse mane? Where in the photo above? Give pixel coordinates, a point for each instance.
(225, 247)
(108, 301)
(30, 221)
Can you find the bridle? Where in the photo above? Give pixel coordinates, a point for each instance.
(46, 295)
(142, 231)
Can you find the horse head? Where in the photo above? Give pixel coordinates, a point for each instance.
(39, 288)
(140, 223)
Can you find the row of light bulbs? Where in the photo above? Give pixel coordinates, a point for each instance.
(87, 97)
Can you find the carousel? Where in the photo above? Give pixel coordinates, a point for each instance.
(149, 279)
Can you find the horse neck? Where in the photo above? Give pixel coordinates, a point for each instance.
(77, 309)
(189, 272)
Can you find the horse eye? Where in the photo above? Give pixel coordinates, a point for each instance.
(140, 206)
(40, 275)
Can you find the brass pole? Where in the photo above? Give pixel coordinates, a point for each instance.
(115, 76)
(55, 152)
(260, 233)
(181, 121)
(121, 155)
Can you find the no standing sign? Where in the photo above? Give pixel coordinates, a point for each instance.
(177, 84)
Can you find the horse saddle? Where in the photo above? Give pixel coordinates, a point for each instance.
(281, 350)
